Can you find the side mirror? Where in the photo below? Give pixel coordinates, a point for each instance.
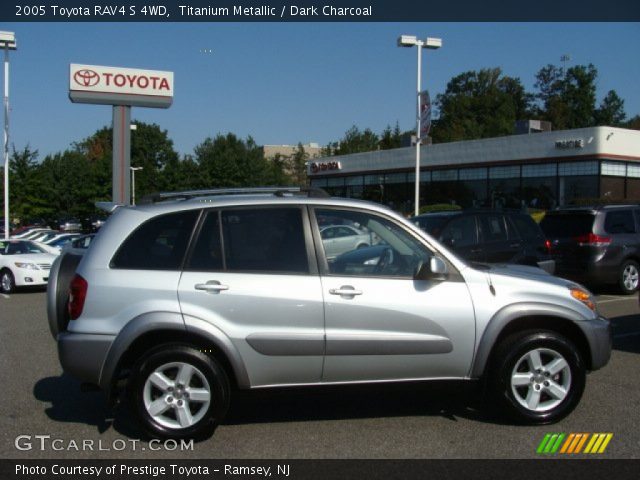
(435, 269)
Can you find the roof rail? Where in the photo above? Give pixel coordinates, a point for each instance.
(277, 191)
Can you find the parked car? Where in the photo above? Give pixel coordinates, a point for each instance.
(598, 245)
(82, 242)
(69, 225)
(338, 239)
(27, 233)
(178, 302)
(490, 236)
(23, 263)
(60, 241)
(93, 223)
(44, 236)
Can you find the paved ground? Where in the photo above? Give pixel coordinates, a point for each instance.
(365, 422)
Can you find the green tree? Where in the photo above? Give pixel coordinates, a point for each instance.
(26, 186)
(390, 138)
(611, 110)
(633, 123)
(567, 98)
(297, 166)
(480, 104)
(228, 161)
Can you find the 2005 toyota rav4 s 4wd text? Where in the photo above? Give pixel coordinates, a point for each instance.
(182, 300)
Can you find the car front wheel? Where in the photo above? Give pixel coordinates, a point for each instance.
(537, 377)
(179, 392)
(7, 281)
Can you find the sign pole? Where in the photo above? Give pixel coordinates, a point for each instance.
(418, 142)
(121, 188)
(7, 223)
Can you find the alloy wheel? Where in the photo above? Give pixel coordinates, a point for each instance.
(541, 379)
(177, 395)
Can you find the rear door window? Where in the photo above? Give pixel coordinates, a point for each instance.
(620, 221)
(493, 228)
(526, 227)
(158, 244)
(264, 240)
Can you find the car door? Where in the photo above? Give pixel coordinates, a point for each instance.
(498, 247)
(251, 274)
(381, 323)
(461, 235)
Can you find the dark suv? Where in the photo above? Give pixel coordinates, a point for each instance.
(596, 245)
(490, 236)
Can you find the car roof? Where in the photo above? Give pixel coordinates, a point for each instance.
(254, 200)
(590, 208)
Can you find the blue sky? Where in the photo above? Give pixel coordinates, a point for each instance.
(284, 83)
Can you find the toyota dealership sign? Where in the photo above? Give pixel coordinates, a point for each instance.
(120, 86)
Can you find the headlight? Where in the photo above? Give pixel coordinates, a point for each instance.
(30, 266)
(583, 296)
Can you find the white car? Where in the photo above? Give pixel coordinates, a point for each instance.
(338, 239)
(23, 263)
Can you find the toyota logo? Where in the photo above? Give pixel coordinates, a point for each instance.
(86, 78)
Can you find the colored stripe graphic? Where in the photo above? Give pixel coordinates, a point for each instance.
(573, 443)
(550, 443)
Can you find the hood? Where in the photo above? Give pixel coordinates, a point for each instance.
(523, 272)
(47, 258)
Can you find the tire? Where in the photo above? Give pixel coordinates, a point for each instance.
(7, 281)
(155, 385)
(537, 398)
(629, 277)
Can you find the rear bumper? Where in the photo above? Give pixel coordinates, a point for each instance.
(600, 339)
(82, 355)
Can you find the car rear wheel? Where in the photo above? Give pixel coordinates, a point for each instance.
(537, 377)
(7, 281)
(629, 277)
(179, 392)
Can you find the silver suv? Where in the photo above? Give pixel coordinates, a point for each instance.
(180, 301)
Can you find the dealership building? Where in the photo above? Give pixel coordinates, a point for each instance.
(542, 170)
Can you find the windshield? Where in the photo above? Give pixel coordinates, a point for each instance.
(19, 248)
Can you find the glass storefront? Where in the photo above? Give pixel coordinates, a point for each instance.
(537, 185)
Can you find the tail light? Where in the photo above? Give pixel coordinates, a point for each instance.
(547, 244)
(77, 295)
(593, 240)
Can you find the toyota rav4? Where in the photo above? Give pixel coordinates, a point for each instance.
(180, 301)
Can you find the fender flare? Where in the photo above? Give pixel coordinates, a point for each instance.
(503, 317)
(167, 321)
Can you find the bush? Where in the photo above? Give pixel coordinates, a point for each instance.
(439, 207)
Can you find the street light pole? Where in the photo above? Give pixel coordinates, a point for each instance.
(7, 42)
(418, 139)
(430, 43)
(133, 183)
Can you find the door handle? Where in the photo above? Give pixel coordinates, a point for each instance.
(211, 286)
(345, 291)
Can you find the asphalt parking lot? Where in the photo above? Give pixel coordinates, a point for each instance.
(407, 421)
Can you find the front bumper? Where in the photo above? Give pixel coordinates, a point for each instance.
(26, 277)
(82, 354)
(600, 339)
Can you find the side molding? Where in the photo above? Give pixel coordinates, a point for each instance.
(216, 336)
